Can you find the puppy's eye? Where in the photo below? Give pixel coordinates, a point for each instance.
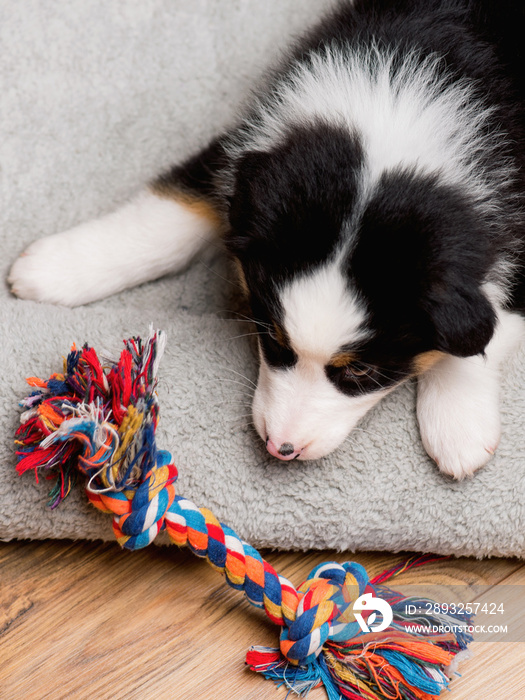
(355, 370)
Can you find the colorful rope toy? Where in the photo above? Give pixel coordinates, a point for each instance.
(99, 421)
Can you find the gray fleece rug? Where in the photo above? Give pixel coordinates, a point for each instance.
(97, 97)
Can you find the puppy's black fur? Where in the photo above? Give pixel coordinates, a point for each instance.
(422, 250)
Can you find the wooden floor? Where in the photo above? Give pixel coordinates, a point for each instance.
(90, 621)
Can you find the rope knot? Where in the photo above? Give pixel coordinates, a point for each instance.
(325, 610)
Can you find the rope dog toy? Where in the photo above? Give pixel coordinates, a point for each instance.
(338, 628)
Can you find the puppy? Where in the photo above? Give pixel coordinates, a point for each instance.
(371, 194)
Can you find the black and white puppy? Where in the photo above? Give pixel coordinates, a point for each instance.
(372, 196)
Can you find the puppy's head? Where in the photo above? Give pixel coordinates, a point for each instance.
(354, 284)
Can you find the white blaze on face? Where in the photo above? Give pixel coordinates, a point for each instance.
(299, 405)
(321, 314)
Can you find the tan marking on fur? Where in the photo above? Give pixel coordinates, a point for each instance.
(280, 336)
(242, 278)
(197, 205)
(426, 360)
(342, 359)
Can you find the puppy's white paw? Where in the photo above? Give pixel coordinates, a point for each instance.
(461, 444)
(458, 414)
(51, 270)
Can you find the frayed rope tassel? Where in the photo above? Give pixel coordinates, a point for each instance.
(99, 421)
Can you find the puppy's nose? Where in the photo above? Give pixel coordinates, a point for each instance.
(286, 451)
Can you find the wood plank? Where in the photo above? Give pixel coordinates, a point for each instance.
(496, 669)
(494, 672)
(87, 620)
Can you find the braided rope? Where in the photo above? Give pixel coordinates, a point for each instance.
(101, 422)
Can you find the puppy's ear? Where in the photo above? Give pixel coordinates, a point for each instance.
(462, 319)
(295, 197)
(430, 247)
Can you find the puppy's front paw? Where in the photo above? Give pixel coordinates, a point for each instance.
(43, 272)
(460, 429)
(460, 449)
(70, 268)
